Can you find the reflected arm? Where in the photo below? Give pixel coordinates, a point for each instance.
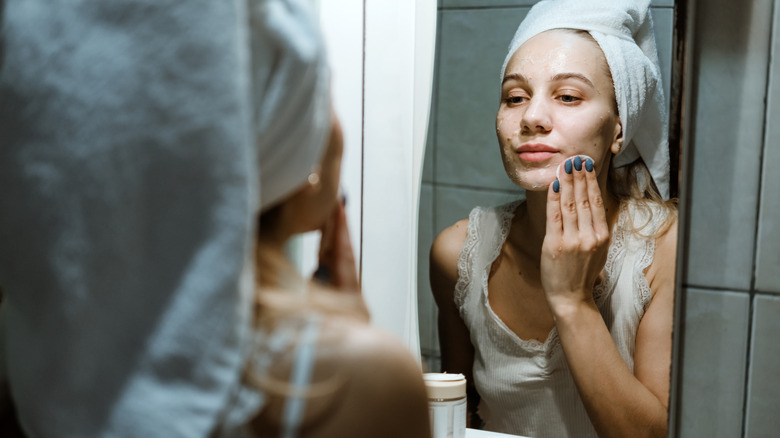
(457, 352)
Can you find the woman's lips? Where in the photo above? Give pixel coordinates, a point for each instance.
(536, 156)
(536, 152)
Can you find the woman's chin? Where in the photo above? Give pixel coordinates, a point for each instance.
(532, 182)
(536, 187)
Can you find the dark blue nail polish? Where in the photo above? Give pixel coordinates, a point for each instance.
(578, 163)
(589, 165)
(567, 167)
(556, 186)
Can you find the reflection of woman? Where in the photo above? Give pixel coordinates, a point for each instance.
(559, 308)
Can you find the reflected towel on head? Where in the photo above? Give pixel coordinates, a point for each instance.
(291, 94)
(624, 31)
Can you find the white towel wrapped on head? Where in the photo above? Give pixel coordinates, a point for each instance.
(624, 31)
(292, 99)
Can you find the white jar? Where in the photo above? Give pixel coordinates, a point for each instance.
(447, 404)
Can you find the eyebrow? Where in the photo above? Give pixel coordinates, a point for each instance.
(559, 77)
(513, 77)
(578, 76)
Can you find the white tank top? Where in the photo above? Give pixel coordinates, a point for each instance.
(526, 387)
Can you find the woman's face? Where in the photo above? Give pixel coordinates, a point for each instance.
(557, 100)
(321, 200)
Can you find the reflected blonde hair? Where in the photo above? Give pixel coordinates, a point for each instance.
(284, 303)
(634, 183)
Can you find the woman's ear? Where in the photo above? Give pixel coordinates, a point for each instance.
(617, 141)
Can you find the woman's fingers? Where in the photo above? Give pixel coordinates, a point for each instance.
(568, 202)
(554, 219)
(337, 260)
(583, 219)
(582, 200)
(596, 201)
(347, 269)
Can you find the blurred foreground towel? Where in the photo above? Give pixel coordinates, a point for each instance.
(624, 31)
(128, 191)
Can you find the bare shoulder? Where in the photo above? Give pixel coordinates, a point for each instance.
(449, 241)
(653, 348)
(383, 394)
(364, 383)
(444, 256)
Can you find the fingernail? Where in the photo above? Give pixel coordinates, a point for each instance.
(567, 167)
(321, 274)
(589, 165)
(556, 186)
(578, 163)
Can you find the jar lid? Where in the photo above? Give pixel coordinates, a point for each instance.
(445, 386)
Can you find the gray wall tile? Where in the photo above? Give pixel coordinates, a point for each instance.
(454, 204)
(768, 244)
(762, 419)
(732, 69)
(472, 48)
(426, 308)
(663, 22)
(715, 349)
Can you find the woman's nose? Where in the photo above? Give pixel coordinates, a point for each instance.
(537, 116)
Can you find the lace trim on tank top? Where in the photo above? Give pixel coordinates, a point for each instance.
(621, 233)
(640, 281)
(647, 254)
(615, 255)
(505, 214)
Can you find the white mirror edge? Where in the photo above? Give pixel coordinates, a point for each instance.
(398, 73)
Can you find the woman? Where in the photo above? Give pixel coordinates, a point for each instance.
(362, 382)
(317, 369)
(559, 308)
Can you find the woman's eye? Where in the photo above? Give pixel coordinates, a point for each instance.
(567, 98)
(515, 100)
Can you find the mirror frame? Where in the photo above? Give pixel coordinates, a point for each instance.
(681, 120)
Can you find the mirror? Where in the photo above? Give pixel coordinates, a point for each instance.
(462, 166)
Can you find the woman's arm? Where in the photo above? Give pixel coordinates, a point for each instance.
(619, 403)
(457, 353)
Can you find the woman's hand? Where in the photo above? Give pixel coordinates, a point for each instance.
(337, 260)
(577, 237)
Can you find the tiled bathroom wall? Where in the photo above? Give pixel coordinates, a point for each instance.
(462, 167)
(730, 384)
